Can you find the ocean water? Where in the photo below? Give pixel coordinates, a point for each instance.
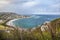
(34, 20)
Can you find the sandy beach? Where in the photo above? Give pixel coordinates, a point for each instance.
(10, 23)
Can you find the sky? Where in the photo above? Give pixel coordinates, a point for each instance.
(30, 6)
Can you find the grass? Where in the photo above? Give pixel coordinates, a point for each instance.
(36, 34)
(2, 27)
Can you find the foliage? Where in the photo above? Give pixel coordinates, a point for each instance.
(52, 34)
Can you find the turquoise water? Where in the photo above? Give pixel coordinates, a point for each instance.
(34, 21)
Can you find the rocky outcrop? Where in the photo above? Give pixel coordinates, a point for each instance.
(45, 26)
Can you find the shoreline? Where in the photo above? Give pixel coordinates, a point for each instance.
(10, 23)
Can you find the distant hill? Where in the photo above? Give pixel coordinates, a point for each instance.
(9, 15)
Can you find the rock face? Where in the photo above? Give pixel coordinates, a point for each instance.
(1, 21)
(45, 26)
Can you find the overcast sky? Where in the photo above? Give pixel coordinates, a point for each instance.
(30, 6)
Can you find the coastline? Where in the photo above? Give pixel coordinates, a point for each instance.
(10, 23)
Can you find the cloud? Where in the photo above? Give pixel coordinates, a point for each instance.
(3, 3)
(29, 4)
(47, 13)
(56, 5)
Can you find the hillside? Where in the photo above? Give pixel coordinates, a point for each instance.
(56, 26)
(9, 15)
(53, 32)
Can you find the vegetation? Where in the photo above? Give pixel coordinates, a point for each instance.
(52, 33)
(36, 34)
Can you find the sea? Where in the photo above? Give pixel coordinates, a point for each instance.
(34, 20)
